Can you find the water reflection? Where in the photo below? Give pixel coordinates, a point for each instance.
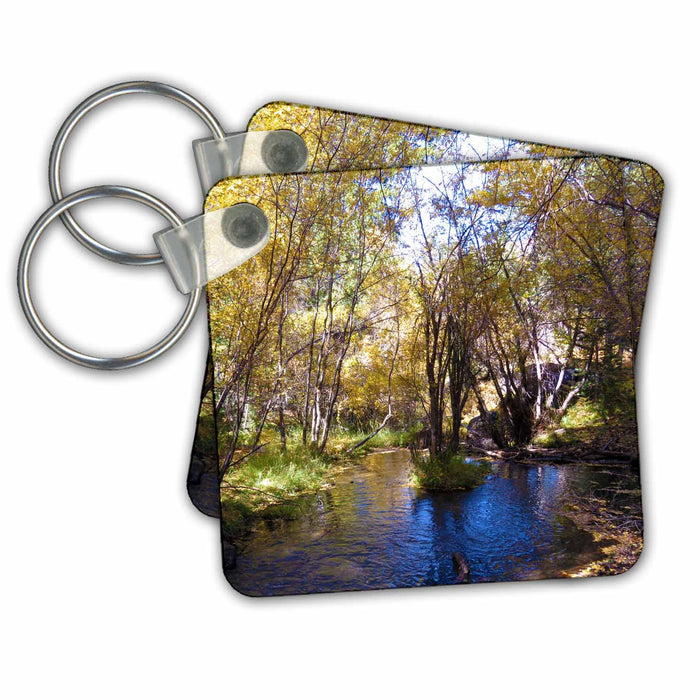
(372, 530)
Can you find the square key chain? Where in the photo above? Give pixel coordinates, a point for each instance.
(492, 289)
(422, 374)
(639, 224)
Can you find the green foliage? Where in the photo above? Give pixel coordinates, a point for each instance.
(582, 414)
(341, 440)
(554, 438)
(236, 517)
(281, 474)
(266, 484)
(284, 511)
(395, 438)
(582, 421)
(445, 472)
(616, 392)
(589, 421)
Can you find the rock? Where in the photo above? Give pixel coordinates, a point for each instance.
(479, 426)
(481, 430)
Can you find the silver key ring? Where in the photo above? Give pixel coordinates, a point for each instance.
(108, 93)
(35, 321)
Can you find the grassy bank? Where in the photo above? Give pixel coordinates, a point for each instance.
(446, 472)
(267, 485)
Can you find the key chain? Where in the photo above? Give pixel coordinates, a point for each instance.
(182, 247)
(422, 346)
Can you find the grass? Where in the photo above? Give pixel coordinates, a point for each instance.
(280, 474)
(446, 472)
(587, 423)
(395, 438)
(555, 438)
(579, 423)
(582, 414)
(267, 485)
(342, 439)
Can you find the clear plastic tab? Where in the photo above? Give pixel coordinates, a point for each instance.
(249, 153)
(211, 244)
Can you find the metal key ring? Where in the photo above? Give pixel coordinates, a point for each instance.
(28, 305)
(108, 93)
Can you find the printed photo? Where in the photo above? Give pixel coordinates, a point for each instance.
(427, 376)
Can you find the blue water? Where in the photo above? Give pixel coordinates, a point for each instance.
(373, 530)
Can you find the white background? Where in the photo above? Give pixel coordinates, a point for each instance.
(111, 583)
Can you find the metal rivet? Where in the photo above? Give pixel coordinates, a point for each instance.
(284, 151)
(244, 225)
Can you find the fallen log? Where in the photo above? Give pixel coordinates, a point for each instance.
(461, 567)
(497, 454)
(567, 456)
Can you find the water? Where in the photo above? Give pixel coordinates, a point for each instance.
(373, 530)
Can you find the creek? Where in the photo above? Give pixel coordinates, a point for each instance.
(373, 530)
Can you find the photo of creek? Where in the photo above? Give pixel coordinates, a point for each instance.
(372, 529)
(426, 375)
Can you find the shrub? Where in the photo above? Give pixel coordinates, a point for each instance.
(445, 472)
